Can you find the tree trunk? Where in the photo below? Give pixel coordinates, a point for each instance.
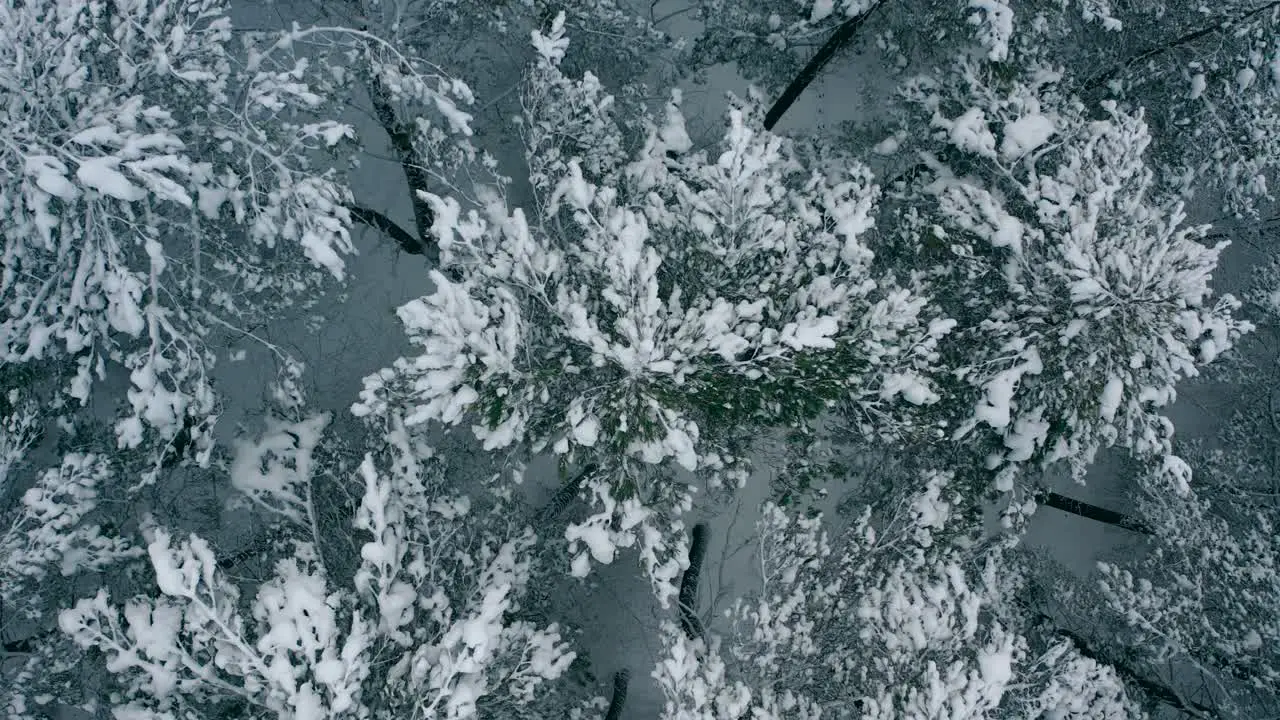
(1176, 43)
(415, 172)
(621, 680)
(689, 583)
(1157, 690)
(810, 71)
(411, 164)
(385, 225)
(565, 495)
(1094, 512)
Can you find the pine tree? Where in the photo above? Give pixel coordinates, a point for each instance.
(653, 305)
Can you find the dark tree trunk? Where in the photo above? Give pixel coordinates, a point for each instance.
(1156, 690)
(813, 68)
(385, 225)
(411, 164)
(1176, 43)
(689, 583)
(1094, 512)
(565, 495)
(415, 171)
(621, 680)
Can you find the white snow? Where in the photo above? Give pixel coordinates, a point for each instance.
(581, 566)
(674, 135)
(587, 432)
(887, 146)
(1178, 473)
(821, 10)
(1208, 350)
(995, 26)
(1198, 85)
(575, 187)
(332, 132)
(100, 174)
(596, 537)
(929, 507)
(50, 176)
(1008, 233)
(97, 135)
(1110, 401)
(810, 332)
(970, 132)
(995, 408)
(553, 45)
(912, 388)
(274, 470)
(1025, 134)
(1245, 78)
(997, 667)
(1029, 432)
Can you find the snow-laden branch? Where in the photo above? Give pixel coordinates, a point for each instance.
(427, 626)
(656, 303)
(896, 617)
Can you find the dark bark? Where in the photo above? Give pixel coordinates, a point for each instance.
(1156, 690)
(385, 225)
(1094, 512)
(689, 583)
(415, 171)
(1178, 42)
(621, 680)
(813, 68)
(28, 645)
(227, 563)
(176, 452)
(411, 163)
(565, 495)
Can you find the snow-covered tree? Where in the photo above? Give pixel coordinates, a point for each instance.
(1202, 597)
(51, 536)
(1082, 294)
(652, 305)
(900, 615)
(427, 626)
(613, 33)
(1210, 77)
(762, 38)
(161, 184)
(787, 46)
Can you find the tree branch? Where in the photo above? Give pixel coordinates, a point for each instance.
(401, 136)
(1094, 512)
(810, 71)
(407, 241)
(1156, 690)
(410, 162)
(565, 495)
(1178, 42)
